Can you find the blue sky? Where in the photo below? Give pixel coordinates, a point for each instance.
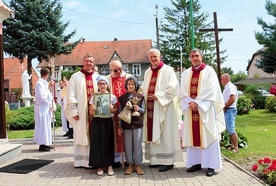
(103, 20)
(139, 17)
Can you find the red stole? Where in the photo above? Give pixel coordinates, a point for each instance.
(89, 83)
(150, 102)
(118, 89)
(89, 88)
(195, 115)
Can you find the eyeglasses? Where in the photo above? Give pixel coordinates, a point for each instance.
(117, 70)
(102, 84)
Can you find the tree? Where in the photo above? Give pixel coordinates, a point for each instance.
(267, 38)
(176, 32)
(238, 77)
(227, 70)
(36, 31)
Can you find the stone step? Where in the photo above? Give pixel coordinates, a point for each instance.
(9, 151)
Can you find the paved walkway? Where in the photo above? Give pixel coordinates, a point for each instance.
(62, 171)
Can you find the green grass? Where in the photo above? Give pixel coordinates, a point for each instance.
(18, 134)
(259, 127)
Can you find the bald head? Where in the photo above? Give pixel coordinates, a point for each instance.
(115, 63)
(116, 68)
(154, 56)
(225, 78)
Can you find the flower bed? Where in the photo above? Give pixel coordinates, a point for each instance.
(266, 169)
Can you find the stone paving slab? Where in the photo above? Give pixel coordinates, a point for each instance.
(62, 171)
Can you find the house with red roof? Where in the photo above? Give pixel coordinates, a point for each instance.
(132, 53)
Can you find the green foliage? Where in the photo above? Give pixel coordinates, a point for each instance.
(176, 31)
(257, 98)
(23, 118)
(251, 91)
(244, 105)
(36, 31)
(267, 38)
(19, 119)
(270, 104)
(68, 74)
(227, 70)
(226, 141)
(39, 31)
(238, 77)
(250, 87)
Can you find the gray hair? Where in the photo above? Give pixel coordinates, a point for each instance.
(196, 50)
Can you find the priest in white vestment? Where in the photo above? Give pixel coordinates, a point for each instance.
(202, 103)
(161, 89)
(81, 87)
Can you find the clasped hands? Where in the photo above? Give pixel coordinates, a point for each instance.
(193, 106)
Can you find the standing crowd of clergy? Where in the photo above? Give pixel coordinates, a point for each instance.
(102, 142)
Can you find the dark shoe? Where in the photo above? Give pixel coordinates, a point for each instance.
(49, 147)
(210, 172)
(116, 164)
(66, 134)
(44, 148)
(154, 166)
(70, 136)
(194, 168)
(165, 168)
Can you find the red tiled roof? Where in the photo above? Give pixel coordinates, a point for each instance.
(13, 71)
(130, 51)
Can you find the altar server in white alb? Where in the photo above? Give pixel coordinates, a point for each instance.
(81, 87)
(202, 103)
(43, 111)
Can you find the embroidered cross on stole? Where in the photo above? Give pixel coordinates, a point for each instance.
(118, 89)
(196, 121)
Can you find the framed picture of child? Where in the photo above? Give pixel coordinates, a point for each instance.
(102, 102)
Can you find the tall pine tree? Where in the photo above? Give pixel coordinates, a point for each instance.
(267, 38)
(176, 32)
(36, 31)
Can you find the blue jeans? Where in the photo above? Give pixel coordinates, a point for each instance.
(230, 118)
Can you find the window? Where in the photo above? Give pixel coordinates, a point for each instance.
(67, 68)
(136, 68)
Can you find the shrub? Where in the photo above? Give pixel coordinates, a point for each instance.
(23, 118)
(244, 105)
(226, 141)
(270, 103)
(257, 98)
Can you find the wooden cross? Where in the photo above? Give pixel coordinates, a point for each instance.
(22, 67)
(216, 30)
